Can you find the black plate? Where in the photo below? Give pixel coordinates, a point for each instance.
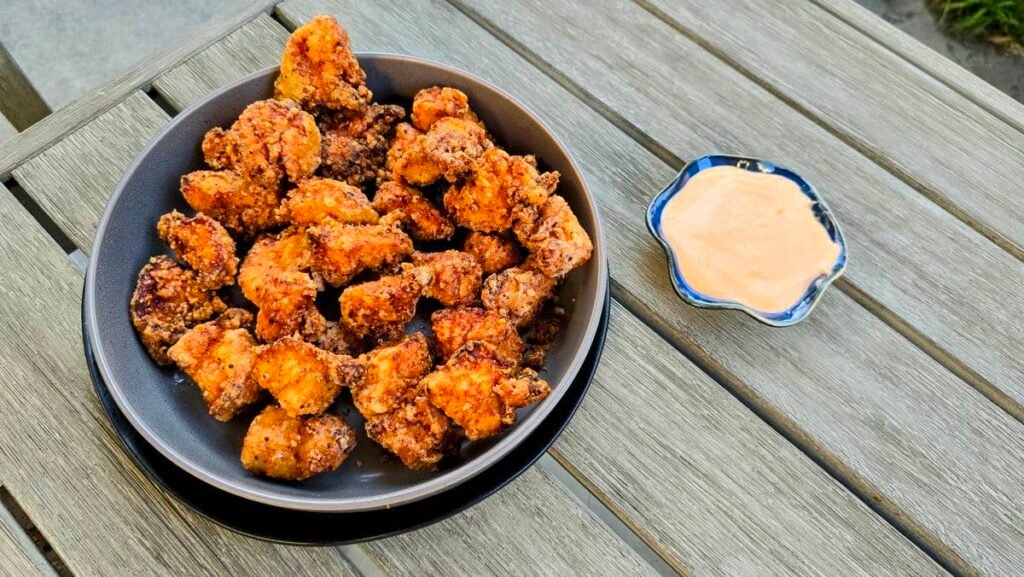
(308, 528)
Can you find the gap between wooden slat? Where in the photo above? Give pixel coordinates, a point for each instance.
(980, 103)
(33, 542)
(162, 102)
(33, 208)
(905, 329)
(865, 150)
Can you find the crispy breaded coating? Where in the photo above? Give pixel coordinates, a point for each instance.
(303, 378)
(422, 219)
(480, 391)
(420, 167)
(381, 308)
(355, 144)
(268, 258)
(417, 432)
(295, 448)
(391, 375)
(451, 148)
(203, 244)
(455, 276)
(495, 253)
(455, 327)
(217, 356)
(434, 103)
(270, 140)
(341, 251)
(167, 301)
(317, 199)
(556, 240)
(488, 198)
(319, 69)
(338, 340)
(517, 292)
(541, 334)
(243, 207)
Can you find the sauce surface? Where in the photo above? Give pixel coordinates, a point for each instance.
(748, 237)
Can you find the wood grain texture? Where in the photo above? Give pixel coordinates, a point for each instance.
(906, 253)
(62, 461)
(953, 75)
(19, 100)
(252, 47)
(924, 447)
(956, 152)
(55, 126)
(539, 536)
(15, 559)
(73, 179)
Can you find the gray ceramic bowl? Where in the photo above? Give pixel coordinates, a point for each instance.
(167, 409)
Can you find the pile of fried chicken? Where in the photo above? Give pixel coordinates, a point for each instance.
(290, 180)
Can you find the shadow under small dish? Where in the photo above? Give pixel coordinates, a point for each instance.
(802, 307)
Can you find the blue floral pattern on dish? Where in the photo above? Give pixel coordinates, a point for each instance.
(803, 307)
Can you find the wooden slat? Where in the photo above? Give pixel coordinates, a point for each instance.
(252, 47)
(72, 180)
(532, 533)
(44, 133)
(7, 130)
(902, 431)
(19, 100)
(15, 559)
(59, 456)
(956, 152)
(845, 379)
(945, 70)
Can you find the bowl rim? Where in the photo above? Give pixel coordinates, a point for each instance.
(443, 481)
(802, 308)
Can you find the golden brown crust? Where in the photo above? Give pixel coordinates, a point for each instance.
(319, 69)
(217, 356)
(517, 292)
(434, 103)
(455, 327)
(243, 207)
(494, 252)
(451, 148)
(270, 140)
(487, 200)
(355, 144)
(391, 375)
(417, 432)
(381, 308)
(341, 251)
(541, 334)
(295, 448)
(340, 341)
(203, 244)
(556, 240)
(455, 276)
(167, 301)
(317, 199)
(423, 220)
(303, 378)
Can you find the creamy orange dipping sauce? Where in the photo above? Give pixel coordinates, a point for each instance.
(748, 237)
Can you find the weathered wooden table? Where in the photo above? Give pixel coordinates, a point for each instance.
(881, 437)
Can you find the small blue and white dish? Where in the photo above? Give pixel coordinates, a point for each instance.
(803, 307)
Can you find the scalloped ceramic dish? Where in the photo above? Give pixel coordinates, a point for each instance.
(803, 307)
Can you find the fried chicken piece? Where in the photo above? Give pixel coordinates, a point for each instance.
(423, 220)
(417, 432)
(316, 199)
(455, 327)
(495, 253)
(270, 140)
(268, 258)
(517, 292)
(554, 237)
(455, 276)
(391, 375)
(295, 448)
(355, 144)
(541, 334)
(434, 103)
(203, 244)
(383, 307)
(341, 251)
(167, 301)
(480, 391)
(217, 356)
(340, 341)
(452, 148)
(303, 378)
(488, 198)
(243, 207)
(319, 69)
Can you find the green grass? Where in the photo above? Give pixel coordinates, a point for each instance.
(999, 21)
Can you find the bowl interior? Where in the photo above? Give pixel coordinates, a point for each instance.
(167, 408)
